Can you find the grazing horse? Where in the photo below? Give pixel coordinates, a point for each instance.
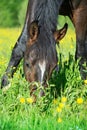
(40, 57)
(37, 40)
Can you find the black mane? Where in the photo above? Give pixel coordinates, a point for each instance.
(46, 13)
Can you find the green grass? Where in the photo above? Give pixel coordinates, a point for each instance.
(49, 113)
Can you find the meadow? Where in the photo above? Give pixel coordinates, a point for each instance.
(64, 107)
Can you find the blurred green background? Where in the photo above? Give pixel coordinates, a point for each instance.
(12, 12)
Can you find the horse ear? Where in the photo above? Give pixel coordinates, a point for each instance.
(59, 34)
(33, 30)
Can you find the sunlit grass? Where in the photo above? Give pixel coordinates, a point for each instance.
(65, 105)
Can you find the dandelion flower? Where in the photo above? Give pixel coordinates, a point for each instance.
(61, 105)
(22, 100)
(85, 81)
(79, 100)
(29, 100)
(59, 120)
(64, 99)
(59, 109)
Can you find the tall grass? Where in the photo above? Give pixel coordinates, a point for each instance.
(64, 107)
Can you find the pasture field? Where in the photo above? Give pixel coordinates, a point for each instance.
(64, 107)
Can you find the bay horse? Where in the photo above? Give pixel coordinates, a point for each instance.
(37, 40)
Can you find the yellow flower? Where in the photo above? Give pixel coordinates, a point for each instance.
(55, 101)
(79, 100)
(59, 120)
(85, 81)
(59, 109)
(30, 100)
(22, 100)
(61, 105)
(64, 99)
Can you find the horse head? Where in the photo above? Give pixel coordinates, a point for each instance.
(40, 57)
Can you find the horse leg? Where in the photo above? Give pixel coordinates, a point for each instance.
(16, 56)
(20, 46)
(80, 22)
